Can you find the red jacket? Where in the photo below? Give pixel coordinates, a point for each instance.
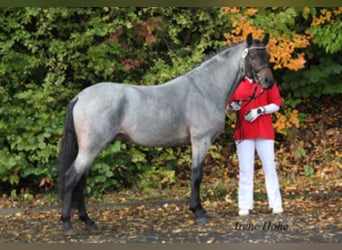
(262, 127)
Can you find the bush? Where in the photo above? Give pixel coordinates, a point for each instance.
(322, 77)
(48, 55)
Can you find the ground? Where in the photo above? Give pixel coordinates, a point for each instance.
(311, 218)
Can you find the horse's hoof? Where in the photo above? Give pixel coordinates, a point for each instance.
(69, 232)
(202, 220)
(92, 227)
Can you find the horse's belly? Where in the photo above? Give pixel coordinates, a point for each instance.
(150, 136)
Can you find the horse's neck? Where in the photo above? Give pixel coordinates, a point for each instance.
(226, 75)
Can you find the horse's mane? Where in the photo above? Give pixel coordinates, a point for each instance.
(215, 53)
(210, 56)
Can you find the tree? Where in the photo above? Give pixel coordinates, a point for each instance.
(321, 75)
(326, 27)
(306, 41)
(279, 22)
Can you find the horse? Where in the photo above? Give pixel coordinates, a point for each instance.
(189, 109)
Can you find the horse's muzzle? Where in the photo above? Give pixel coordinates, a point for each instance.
(265, 78)
(267, 83)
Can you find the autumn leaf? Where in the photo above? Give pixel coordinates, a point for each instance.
(281, 47)
(251, 11)
(42, 183)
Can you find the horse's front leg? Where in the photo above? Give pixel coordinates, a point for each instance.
(199, 151)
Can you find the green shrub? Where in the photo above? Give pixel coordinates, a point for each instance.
(321, 78)
(47, 55)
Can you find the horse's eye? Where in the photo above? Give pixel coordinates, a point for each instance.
(252, 55)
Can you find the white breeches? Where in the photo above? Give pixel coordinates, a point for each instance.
(246, 155)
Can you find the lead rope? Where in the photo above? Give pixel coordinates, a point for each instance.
(238, 117)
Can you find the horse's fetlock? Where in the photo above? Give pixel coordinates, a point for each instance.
(65, 218)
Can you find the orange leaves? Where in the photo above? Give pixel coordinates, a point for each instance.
(281, 49)
(283, 43)
(230, 10)
(294, 118)
(241, 28)
(326, 16)
(251, 11)
(281, 123)
(285, 122)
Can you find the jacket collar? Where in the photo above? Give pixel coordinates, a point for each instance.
(249, 79)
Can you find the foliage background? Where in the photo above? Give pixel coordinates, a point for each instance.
(47, 55)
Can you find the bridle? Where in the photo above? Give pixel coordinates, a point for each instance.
(256, 71)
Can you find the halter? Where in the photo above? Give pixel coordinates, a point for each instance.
(254, 71)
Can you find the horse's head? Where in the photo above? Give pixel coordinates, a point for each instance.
(257, 61)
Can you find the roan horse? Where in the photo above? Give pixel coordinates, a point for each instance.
(189, 109)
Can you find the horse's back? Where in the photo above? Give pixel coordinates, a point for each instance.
(100, 90)
(144, 115)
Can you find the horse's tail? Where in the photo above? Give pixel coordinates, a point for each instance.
(69, 147)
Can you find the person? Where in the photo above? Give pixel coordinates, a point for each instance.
(254, 132)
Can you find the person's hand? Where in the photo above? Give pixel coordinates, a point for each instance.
(253, 114)
(235, 105)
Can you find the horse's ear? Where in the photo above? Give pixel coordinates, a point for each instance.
(249, 40)
(266, 39)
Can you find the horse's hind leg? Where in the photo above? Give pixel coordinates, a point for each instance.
(72, 188)
(79, 198)
(71, 179)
